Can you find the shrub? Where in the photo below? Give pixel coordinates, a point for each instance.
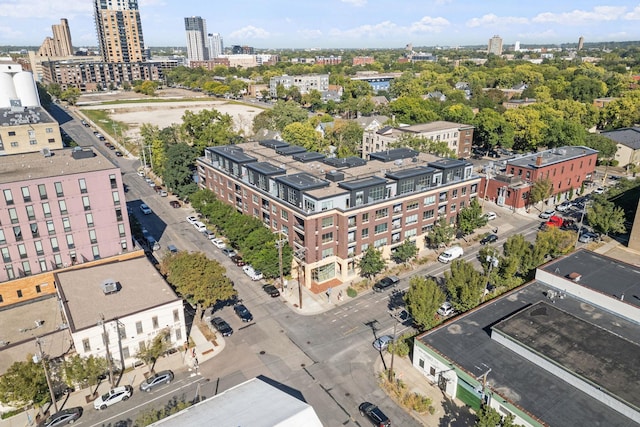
(351, 292)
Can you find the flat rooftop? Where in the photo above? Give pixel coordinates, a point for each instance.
(24, 116)
(19, 167)
(466, 342)
(141, 288)
(254, 403)
(436, 126)
(600, 273)
(549, 157)
(19, 320)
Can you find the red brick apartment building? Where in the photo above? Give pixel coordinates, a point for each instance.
(333, 209)
(567, 168)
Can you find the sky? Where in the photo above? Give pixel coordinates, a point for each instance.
(340, 23)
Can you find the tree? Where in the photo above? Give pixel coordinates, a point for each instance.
(70, 95)
(555, 242)
(423, 298)
(303, 134)
(541, 190)
(405, 252)
(81, 370)
(605, 217)
(413, 110)
(346, 136)
(489, 417)
(529, 128)
(471, 218)
(492, 129)
(146, 87)
(198, 279)
(441, 234)
(24, 383)
(606, 147)
(464, 284)
(207, 128)
(282, 114)
(177, 174)
(371, 263)
(54, 89)
(155, 348)
(458, 113)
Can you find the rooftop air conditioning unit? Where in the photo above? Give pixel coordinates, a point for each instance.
(110, 286)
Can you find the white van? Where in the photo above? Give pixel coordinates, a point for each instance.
(451, 254)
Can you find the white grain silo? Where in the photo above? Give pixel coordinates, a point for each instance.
(7, 90)
(26, 89)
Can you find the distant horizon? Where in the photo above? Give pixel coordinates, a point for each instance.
(333, 24)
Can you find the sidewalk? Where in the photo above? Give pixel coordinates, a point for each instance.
(180, 360)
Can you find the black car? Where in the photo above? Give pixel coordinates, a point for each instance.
(375, 414)
(271, 290)
(162, 377)
(243, 313)
(222, 326)
(386, 283)
(491, 238)
(66, 416)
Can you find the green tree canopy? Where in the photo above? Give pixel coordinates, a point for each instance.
(606, 217)
(278, 117)
(405, 252)
(423, 298)
(470, 218)
(207, 128)
(178, 176)
(78, 369)
(441, 234)
(606, 147)
(24, 383)
(371, 262)
(303, 134)
(465, 285)
(541, 190)
(492, 129)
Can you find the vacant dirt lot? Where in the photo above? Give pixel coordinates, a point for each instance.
(164, 114)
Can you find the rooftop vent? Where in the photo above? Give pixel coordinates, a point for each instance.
(575, 277)
(110, 286)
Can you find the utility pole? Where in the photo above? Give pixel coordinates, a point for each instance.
(105, 339)
(46, 374)
(280, 243)
(391, 375)
(118, 329)
(144, 157)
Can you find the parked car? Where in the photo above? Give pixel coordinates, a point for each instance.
(599, 190)
(490, 238)
(382, 342)
(163, 193)
(192, 219)
(563, 207)
(66, 416)
(490, 216)
(115, 395)
(174, 204)
(451, 254)
(374, 414)
(118, 153)
(446, 309)
(145, 209)
(222, 326)
(403, 317)
(172, 248)
(200, 226)
(218, 243)
(587, 237)
(237, 259)
(162, 377)
(243, 313)
(209, 234)
(546, 214)
(386, 283)
(84, 123)
(271, 290)
(229, 252)
(253, 274)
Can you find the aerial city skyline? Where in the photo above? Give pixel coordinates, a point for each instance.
(341, 23)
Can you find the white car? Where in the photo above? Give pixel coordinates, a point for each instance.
(446, 309)
(490, 215)
(563, 207)
(253, 274)
(599, 190)
(115, 395)
(218, 243)
(546, 214)
(145, 209)
(192, 219)
(200, 226)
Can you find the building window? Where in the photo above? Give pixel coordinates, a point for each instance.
(138, 328)
(70, 243)
(113, 182)
(327, 237)
(83, 185)
(34, 229)
(54, 244)
(46, 210)
(51, 227)
(42, 190)
(26, 196)
(121, 230)
(364, 247)
(176, 316)
(327, 253)
(86, 203)
(10, 273)
(92, 236)
(380, 242)
(6, 257)
(116, 198)
(442, 197)
(31, 213)
(3, 239)
(57, 259)
(43, 267)
(86, 345)
(365, 233)
(39, 247)
(63, 207)
(96, 252)
(365, 218)
(66, 224)
(327, 222)
(464, 191)
(429, 200)
(58, 186)
(381, 228)
(411, 219)
(8, 197)
(26, 268)
(22, 250)
(284, 215)
(89, 218)
(382, 213)
(412, 205)
(454, 193)
(13, 215)
(17, 233)
(154, 322)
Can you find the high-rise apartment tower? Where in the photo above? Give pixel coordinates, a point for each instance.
(60, 44)
(196, 28)
(119, 30)
(216, 47)
(495, 45)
